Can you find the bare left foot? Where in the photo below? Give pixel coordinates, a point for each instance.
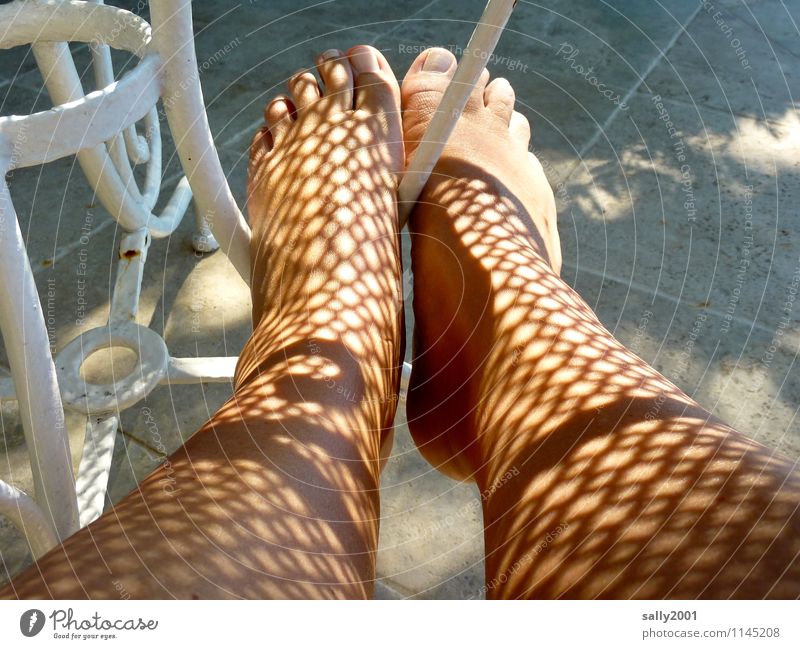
(277, 495)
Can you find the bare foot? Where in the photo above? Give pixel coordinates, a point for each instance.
(486, 191)
(277, 495)
(488, 151)
(517, 385)
(322, 204)
(322, 159)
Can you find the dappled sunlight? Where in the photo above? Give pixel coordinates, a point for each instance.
(762, 146)
(277, 495)
(207, 313)
(602, 479)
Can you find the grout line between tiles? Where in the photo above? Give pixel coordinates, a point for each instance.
(400, 23)
(632, 91)
(394, 588)
(710, 108)
(63, 251)
(135, 440)
(248, 131)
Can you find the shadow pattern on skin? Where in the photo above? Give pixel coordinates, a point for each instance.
(277, 495)
(518, 386)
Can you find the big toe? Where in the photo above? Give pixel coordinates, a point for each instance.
(376, 87)
(422, 89)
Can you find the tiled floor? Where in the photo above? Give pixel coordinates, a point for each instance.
(661, 229)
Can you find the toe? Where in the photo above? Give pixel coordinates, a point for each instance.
(476, 98)
(436, 60)
(429, 73)
(499, 98)
(337, 75)
(520, 128)
(259, 148)
(304, 89)
(279, 115)
(422, 90)
(376, 87)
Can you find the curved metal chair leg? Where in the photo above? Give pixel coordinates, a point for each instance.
(92, 481)
(173, 38)
(26, 341)
(28, 518)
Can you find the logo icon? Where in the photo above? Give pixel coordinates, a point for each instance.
(31, 622)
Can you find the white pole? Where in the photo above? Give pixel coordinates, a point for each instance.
(25, 336)
(28, 518)
(473, 61)
(173, 39)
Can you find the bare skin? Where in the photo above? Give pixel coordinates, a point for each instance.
(277, 495)
(599, 477)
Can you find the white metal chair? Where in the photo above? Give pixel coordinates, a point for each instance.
(99, 128)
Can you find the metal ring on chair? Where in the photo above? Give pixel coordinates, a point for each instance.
(153, 360)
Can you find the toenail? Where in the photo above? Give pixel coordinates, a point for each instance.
(328, 55)
(437, 61)
(298, 76)
(364, 60)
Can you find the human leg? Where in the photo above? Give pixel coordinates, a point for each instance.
(599, 478)
(277, 495)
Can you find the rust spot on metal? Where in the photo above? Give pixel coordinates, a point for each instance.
(130, 254)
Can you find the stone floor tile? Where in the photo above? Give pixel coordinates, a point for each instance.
(742, 58)
(431, 542)
(704, 216)
(733, 372)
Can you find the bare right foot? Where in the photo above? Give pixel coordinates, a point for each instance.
(486, 188)
(599, 478)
